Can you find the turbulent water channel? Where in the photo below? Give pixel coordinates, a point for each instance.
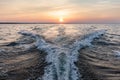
(62, 58)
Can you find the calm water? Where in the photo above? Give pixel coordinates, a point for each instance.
(53, 32)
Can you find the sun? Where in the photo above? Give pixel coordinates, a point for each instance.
(59, 15)
(61, 19)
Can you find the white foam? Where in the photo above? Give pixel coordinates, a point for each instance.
(62, 59)
(117, 53)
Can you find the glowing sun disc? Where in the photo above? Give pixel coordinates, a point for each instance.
(61, 20)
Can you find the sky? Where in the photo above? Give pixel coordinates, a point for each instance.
(55, 11)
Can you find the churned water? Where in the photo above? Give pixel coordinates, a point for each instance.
(62, 43)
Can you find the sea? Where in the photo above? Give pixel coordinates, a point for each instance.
(73, 50)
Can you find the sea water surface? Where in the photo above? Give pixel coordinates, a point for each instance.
(62, 43)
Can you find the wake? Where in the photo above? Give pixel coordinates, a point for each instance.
(61, 58)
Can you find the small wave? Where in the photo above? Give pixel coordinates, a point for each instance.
(117, 53)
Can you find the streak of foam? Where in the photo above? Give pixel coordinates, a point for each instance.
(62, 59)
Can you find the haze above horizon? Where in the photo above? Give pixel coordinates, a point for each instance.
(60, 11)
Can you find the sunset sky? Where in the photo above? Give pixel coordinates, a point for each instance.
(69, 11)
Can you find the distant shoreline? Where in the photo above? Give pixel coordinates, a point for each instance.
(50, 23)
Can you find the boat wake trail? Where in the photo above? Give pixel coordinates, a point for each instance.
(62, 59)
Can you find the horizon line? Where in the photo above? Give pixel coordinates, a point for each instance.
(57, 23)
